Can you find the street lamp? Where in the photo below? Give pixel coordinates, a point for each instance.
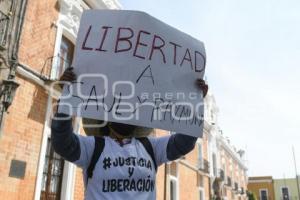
(7, 93)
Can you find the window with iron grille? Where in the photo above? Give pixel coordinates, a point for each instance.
(173, 171)
(173, 189)
(285, 193)
(64, 58)
(214, 157)
(229, 181)
(52, 175)
(236, 186)
(201, 194)
(222, 174)
(4, 20)
(263, 194)
(200, 156)
(65, 55)
(242, 190)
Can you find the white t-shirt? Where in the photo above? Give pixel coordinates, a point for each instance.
(122, 172)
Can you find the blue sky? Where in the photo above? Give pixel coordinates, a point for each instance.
(253, 69)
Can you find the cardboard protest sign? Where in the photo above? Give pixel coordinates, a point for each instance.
(132, 68)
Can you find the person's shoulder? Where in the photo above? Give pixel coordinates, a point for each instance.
(86, 139)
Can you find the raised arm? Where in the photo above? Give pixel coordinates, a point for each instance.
(179, 145)
(74, 148)
(171, 147)
(63, 140)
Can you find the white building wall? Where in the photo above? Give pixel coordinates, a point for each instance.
(217, 142)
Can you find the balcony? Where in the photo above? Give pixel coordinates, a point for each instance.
(203, 165)
(242, 191)
(4, 22)
(221, 174)
(54, 67)
(236, 186)
(229, 183)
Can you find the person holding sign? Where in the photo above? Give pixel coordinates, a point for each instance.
(118, 166)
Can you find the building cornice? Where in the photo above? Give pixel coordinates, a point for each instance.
(260, 181)
(112, 4)
(70, 13)
(207, 127)
(222, 143)
(104, 4)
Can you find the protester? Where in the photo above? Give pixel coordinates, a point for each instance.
(118, 166)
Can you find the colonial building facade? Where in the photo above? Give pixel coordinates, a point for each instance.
(267, 188)
(36, 45)
(214, 169)
(228, 169)
(287, 188)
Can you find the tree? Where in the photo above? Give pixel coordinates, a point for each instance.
(251, 196)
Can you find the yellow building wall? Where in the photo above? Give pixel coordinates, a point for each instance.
(255, 187)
